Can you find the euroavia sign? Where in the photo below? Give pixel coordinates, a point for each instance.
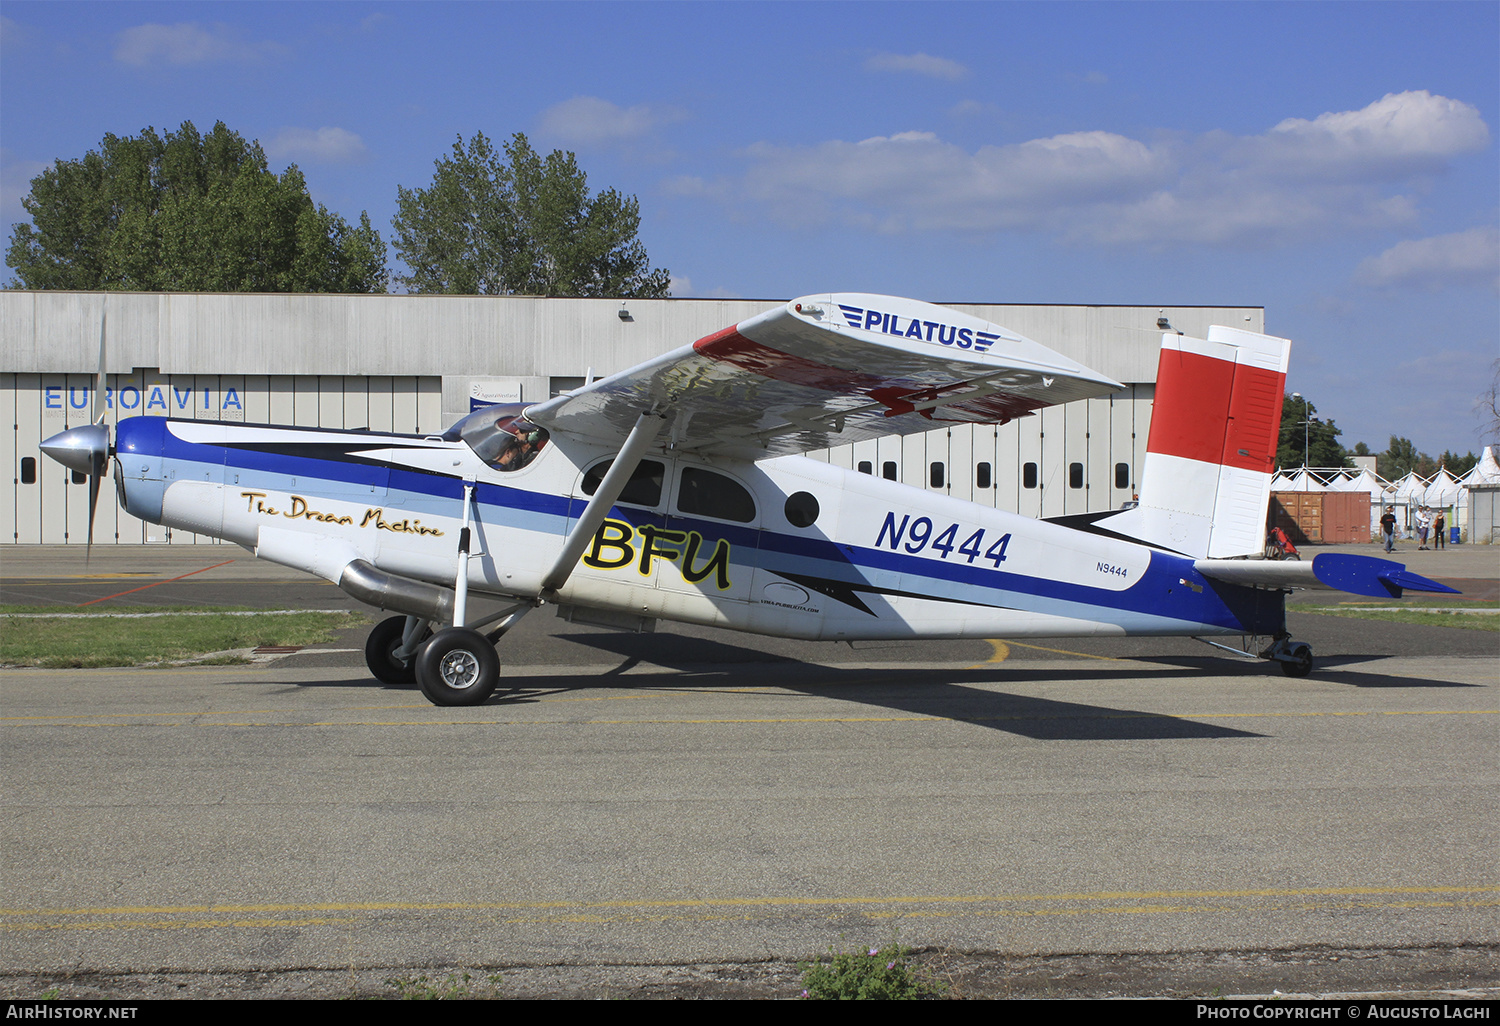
(885, 323)
(166, 398)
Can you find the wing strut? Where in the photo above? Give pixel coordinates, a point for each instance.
(647, 427)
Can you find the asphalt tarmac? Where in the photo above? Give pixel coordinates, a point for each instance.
(694, 811)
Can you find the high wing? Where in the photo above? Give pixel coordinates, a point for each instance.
(826, 370)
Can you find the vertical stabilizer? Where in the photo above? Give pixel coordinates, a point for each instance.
(1212, 448)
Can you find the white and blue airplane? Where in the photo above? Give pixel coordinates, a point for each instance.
(676, 490)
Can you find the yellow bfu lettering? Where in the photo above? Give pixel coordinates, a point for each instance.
(718, 563)
(613, 536)
(649, 549)
(614, 546)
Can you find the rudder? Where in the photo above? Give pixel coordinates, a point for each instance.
(1206, 483)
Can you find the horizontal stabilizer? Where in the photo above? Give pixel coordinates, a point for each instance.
(1367, 575)
(1358, 575)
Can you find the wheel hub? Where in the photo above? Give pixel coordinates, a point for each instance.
(459, 670)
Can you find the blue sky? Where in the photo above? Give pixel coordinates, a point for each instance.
(1335, 163)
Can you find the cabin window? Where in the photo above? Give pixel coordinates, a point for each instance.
(982, 477)
(643, 488)
(28, 470)
(500, 436)
(1028, 476)
(935, 475)
(1122, 475)
(801, 509)
(866, 467)
(1075, 475)
(888, 470)
(706, 493)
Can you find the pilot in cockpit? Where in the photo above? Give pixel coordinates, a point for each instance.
(500, 436)
(526, 441)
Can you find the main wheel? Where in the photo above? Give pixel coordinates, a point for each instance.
(379, 646)
(1301, 662)
(458, 667)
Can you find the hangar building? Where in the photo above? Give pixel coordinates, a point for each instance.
(416, 363)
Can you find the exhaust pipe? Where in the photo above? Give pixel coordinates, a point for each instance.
(362, 581)
(334, 559)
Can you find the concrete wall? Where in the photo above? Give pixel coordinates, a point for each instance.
(408, 363)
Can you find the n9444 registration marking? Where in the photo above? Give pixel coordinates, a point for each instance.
(914, 536)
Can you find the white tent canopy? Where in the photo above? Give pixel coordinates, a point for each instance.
(1442, 490)
(1486, 471)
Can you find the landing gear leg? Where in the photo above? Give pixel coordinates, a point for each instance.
(1295, 657)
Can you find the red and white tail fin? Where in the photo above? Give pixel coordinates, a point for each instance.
(1206, 483)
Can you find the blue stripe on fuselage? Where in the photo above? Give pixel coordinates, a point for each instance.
(1157, 597)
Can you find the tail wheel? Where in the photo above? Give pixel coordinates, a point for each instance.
(1300, 662)
(458, 667)
(379, 648)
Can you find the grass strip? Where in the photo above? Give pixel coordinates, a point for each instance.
(1467, 620)
(64, 642)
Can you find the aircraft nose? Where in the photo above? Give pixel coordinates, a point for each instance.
(83, 449)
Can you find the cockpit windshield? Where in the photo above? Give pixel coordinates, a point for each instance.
(500, 436)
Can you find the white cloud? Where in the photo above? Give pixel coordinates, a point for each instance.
(1400, 131)
(590, 121)
(919, 64)
(1461, 259)
(188, 43)
(680, 286)
(1352, 170)
(319, 145)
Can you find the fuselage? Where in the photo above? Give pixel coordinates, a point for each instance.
(793, 546)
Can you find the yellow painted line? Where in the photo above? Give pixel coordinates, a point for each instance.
(551, 913)
(44, 720)
(1064, 651)
(1000, 654)
(703, 721)
(747, 902)
(168, 924)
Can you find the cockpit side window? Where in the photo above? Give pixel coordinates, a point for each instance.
(501, 436)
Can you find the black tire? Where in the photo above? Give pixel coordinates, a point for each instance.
(458, 667)
(1301, 663)
(383, 640)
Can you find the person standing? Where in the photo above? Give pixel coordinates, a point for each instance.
(1388, 528)
(1424, 521)
(1439, 528)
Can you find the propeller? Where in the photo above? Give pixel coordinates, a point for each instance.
(87, 449)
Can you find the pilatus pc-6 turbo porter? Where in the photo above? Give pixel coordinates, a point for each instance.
(676, 490)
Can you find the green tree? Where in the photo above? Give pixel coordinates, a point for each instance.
(1312, 444)
(1458, 465)
(184, 212)
(1401, 458)
(520, 223)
